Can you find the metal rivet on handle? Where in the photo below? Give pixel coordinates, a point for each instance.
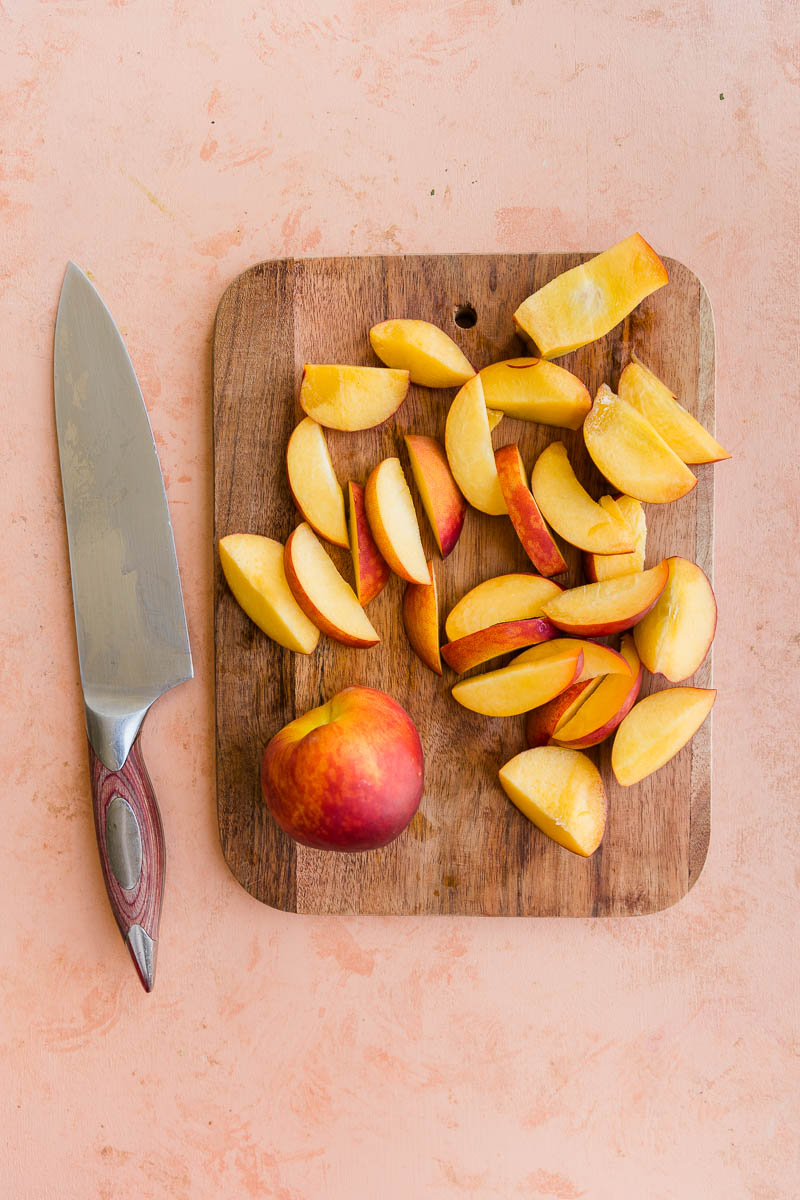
(124, 843)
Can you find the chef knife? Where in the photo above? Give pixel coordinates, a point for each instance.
(133, 643)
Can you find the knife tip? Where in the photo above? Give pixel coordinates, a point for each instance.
(142, 951)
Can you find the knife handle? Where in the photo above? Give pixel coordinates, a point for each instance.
(130, 838)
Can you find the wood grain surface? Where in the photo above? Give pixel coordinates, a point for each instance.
(468, 850)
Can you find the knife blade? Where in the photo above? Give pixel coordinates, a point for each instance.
(133, 644)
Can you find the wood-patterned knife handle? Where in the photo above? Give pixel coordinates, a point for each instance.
(130, 838)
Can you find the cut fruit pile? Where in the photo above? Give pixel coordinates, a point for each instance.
(575, 690)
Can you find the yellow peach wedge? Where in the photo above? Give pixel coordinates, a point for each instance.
(676, 635)
(315, 489)
(519, 687)
(468, 442)
(431, 357)
(500, 638)
(607, 706)
(542, 723)
(421, 621)
(444, 505)
(253, 568)
(609, 566)
(351, 397)
(370, 568)
(586, 302)
(324, 596)
(656, 729)
(571, 511)
(632, 455)
(533, 389)
(528, 522)
(514, 597)
(393, 521)
(598, 660)
(679, 429)
(597, 609)
(562, 793)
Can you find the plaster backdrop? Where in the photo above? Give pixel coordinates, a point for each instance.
(166, 146)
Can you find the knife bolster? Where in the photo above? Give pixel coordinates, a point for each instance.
(112, 734)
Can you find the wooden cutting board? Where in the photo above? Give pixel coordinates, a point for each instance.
(468, 850)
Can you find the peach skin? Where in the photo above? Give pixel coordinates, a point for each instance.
(484, 644)
(632, 455)
(562, 793)
(537, 541)
(597, 609)
(533, 389)
(571, 511)
(346, 776)
(656, 729)
(606, 707)
(325, 598)
(351, 397)
(679, 429)
(393, 521)
(444, 505)
(313, 484)
(586, 302)
(519, 687)
(676, 635)
(431, 357)
(254, 571)
(421, 621)
(513, 597)
(370, 569)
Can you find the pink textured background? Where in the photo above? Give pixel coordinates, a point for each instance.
(166, 146)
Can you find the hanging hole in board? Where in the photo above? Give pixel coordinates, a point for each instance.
(465, 316)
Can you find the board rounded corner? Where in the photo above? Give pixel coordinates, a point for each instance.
(706, 307)
(276, 900)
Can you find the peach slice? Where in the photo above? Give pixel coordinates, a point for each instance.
(514, 597)
(675, 636)
(468, 442)
(597, 609)
(351, 397)
(679, 429)
(597, 660)
(562, 793)
(253, 568)
(609, 566)
(431, 357)
(313, 484)
(494, 417)
(542, 723)
(517, 688)
(603, 711)
(656, 729)
(370, 568)
(537, 541)
(571, 511)
(393, 521)
(444, 505)
(626, 448)
(533, 389)
(585, 303)
(325, 598)
(421, 621)
(483, 644)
